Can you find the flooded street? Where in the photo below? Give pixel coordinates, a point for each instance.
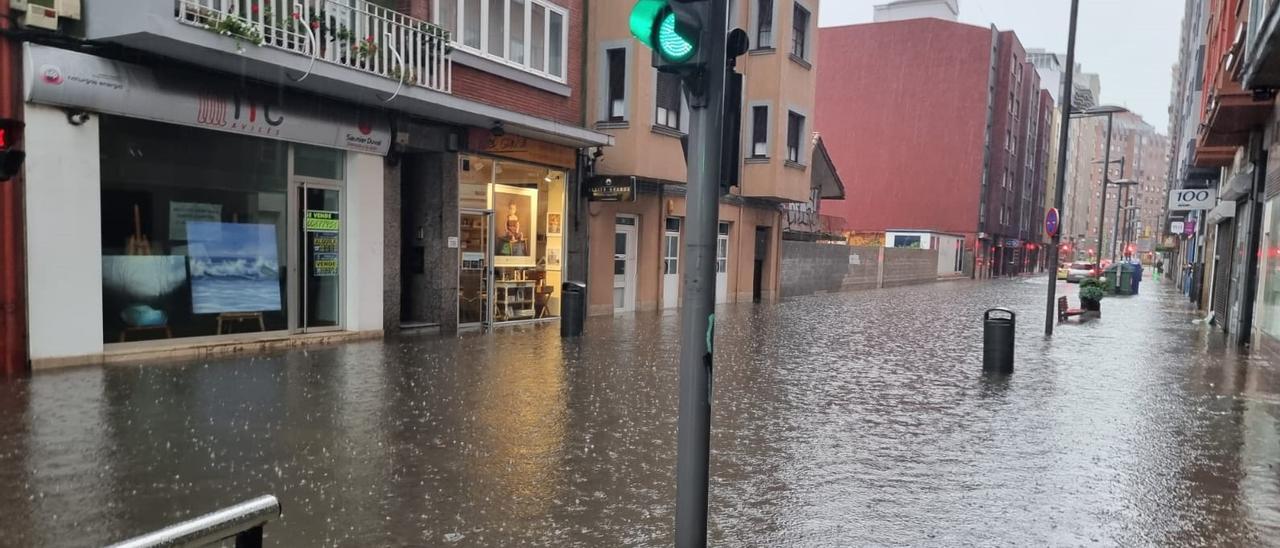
(839, 420)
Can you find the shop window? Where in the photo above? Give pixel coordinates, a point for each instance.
(1271, 278)
(194, 231)
(528, 245)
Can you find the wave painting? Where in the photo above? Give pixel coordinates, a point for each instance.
(234, 267)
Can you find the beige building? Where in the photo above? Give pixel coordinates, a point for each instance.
(636, 251)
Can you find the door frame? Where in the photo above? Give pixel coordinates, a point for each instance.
(722, 295)
(297, 282)
(487, 322)
(631, 256)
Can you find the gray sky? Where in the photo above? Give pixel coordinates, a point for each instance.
(1131, 44)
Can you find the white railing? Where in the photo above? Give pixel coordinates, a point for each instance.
(351, 33)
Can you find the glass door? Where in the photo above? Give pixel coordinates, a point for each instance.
(475, 273)
(320, 249)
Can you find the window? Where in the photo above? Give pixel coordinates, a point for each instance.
(616, 92)
(528, 34)
(760, 131)
(764, 24)
(668, 101)
(795, 135)
(799, 31)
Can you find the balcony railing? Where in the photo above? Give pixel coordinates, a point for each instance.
(351, 33)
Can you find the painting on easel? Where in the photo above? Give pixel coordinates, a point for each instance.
(234, 267)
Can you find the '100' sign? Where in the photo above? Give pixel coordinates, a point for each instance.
(1192, 199)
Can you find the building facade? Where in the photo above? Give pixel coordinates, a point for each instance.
(253, 174)
(1237, 134)
(637, 260)
(970, 162)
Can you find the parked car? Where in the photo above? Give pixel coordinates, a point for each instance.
(1080, 271)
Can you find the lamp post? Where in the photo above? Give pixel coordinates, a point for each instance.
(1064, 133)
(1121, 184)
(1109, 111)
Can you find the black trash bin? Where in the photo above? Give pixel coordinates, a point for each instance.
(573, 309)
(997, 341)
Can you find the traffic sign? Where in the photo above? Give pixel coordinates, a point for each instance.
(1051, 221)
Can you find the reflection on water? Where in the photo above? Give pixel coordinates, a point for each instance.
(840, 420)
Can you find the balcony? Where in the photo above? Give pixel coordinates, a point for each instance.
(1231, 114)
(350, 33)
(350, 50)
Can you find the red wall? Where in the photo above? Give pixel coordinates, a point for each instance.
(482, 87)
(902, 108)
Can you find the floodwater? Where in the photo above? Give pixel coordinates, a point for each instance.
(839, 420)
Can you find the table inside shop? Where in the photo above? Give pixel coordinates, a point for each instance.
(515, 299)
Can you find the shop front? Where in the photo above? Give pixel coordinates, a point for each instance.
(194, 213)
(513, 232)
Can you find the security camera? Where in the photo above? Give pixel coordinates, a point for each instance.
(77, 117)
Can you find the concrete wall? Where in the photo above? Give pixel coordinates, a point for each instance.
(64, 236)
(808, 268)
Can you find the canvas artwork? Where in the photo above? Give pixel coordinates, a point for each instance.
(553, 224)
(517, 228)
(234, 267)
(141, 290)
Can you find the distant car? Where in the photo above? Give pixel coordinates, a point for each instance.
(1080, 271)
(1063, 271)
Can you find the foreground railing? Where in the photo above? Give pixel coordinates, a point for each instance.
(244, 522)
(351, 33)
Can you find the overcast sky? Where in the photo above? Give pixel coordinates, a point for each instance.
(1131, 44)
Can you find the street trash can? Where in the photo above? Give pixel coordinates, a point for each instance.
(1137, 277)
(998, 329)
(573, 309)
(1112, 276)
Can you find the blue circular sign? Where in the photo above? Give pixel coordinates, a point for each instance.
(1051, 222)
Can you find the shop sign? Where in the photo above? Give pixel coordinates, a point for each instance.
(1189, 228)
(521, 148)
(611, 189)
(70, 79)
(1176, 227)
(1193, 199)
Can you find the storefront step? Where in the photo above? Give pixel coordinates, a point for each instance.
(162, 351)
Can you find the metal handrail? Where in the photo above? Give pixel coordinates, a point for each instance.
(244, 521)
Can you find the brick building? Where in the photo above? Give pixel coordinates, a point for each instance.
(319, 169)
(945, 135)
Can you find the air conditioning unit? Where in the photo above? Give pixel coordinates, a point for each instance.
(44, 14)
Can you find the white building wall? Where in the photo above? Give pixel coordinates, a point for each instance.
(947, 10)
(364, 249)
(64, 236)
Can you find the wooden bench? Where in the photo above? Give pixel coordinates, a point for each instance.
(1065, 312)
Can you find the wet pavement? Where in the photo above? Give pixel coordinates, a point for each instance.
(840, 420)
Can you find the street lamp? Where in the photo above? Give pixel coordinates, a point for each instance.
(1115, 230)
(1109, 111)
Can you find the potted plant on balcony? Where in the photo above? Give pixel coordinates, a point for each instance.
(1091, 294)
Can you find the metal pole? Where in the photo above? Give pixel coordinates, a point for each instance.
(697, 316)
(1122, 193)
(1106, 179)
(1064, 134)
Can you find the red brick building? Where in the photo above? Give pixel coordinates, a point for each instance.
(944, 134)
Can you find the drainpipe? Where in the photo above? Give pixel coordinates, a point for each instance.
(13, 313)
(1259, 154)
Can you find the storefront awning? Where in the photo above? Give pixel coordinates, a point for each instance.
(1238, 185)
(1225, 209)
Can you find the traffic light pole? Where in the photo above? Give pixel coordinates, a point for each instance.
(1068, 89)
(697, 315)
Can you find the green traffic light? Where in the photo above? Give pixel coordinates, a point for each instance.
(671, 44)
(654, 23)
